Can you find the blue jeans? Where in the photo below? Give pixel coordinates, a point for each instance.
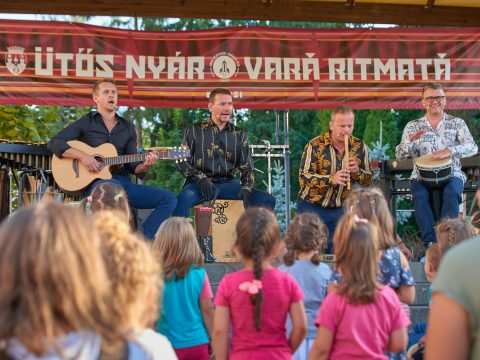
(146, 197)
(451, 198)
(329, 216)
(228, 190)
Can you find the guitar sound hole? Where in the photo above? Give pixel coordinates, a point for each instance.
(100, 160)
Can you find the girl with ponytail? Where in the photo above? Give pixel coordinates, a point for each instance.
(258, 298)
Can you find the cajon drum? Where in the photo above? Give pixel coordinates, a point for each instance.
(224, 220)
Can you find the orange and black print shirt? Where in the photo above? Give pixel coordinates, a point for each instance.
(320, 161)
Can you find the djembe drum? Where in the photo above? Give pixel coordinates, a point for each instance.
(434, 173)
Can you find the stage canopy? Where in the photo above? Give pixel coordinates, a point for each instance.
(402, 12)
(55, 63)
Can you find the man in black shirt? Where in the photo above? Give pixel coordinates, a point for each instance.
(218, 149)
(106, 126)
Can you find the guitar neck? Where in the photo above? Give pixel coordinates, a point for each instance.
(123, 159)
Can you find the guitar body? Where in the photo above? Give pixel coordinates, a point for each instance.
(70, 174)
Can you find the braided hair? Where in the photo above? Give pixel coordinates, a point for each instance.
(257, 234)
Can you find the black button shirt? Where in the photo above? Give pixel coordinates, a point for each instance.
(217, 154)
(91, 130)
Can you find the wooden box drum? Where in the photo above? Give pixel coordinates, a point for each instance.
(434, 173)
(222, 228)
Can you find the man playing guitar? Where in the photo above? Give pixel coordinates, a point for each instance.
(106, 126)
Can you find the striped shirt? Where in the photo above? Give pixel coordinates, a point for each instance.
(217, 154)
(451, 133)
(320, 161)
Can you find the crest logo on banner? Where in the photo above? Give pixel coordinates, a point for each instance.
(224, 66)
(16, 59)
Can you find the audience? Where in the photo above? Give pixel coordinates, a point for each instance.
(305, 241)
(361, 318)
(187, 315)
(135, 280)
(79, 287)
(257, 299)
(54, 288)
(450, 232)
(370, 203)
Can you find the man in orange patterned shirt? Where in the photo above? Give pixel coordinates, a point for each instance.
(324, 172)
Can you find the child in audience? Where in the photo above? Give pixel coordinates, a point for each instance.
(54, 290)
(187, 315)
(450, 232)
(370, 203)
(305, 241)
(258, 298)
(135, 278)
(108, 195)
(361, 318)
(416, 339)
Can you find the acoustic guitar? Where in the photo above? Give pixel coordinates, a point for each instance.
(72, 176)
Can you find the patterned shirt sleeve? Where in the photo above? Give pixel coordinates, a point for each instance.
(467, 146)
(406, 148)
(187, 168)
(309, 171)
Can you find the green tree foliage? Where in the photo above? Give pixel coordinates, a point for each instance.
(389, 129)
(34, 123)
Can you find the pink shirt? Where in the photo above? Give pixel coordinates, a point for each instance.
(362, 331)
(280, 290)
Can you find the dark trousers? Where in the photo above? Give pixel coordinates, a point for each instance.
(451, 198)
(329, 216)
(228, 190)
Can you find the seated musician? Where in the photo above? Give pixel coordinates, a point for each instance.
(443, 136)
(218, 150)
(105, 126)
(324, 172)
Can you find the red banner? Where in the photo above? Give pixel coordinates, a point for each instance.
(56, 63)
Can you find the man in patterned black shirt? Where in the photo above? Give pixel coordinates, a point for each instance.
(219, 149)
(323, 173)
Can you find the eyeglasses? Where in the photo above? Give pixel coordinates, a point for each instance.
(435, 98)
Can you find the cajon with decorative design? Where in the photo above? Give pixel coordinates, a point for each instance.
(224, 220)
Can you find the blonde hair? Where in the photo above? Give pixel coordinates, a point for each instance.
(52, 277)
(108, 195)
(134, 273)
(370, 203)
(355, 244)
(451, 232)
(258, 233)
(307, 232)
(175, 245)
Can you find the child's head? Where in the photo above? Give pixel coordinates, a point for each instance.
(133, 271)
(111, 196)
(370, 204)
(306, 233)
(452, 231)
(52, 277)
(432, 260)
(357, 255)
(258, 235)
(176, 247)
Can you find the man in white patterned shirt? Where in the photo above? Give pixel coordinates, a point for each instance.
(443, 136)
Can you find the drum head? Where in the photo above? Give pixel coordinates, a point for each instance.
(426, 162)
